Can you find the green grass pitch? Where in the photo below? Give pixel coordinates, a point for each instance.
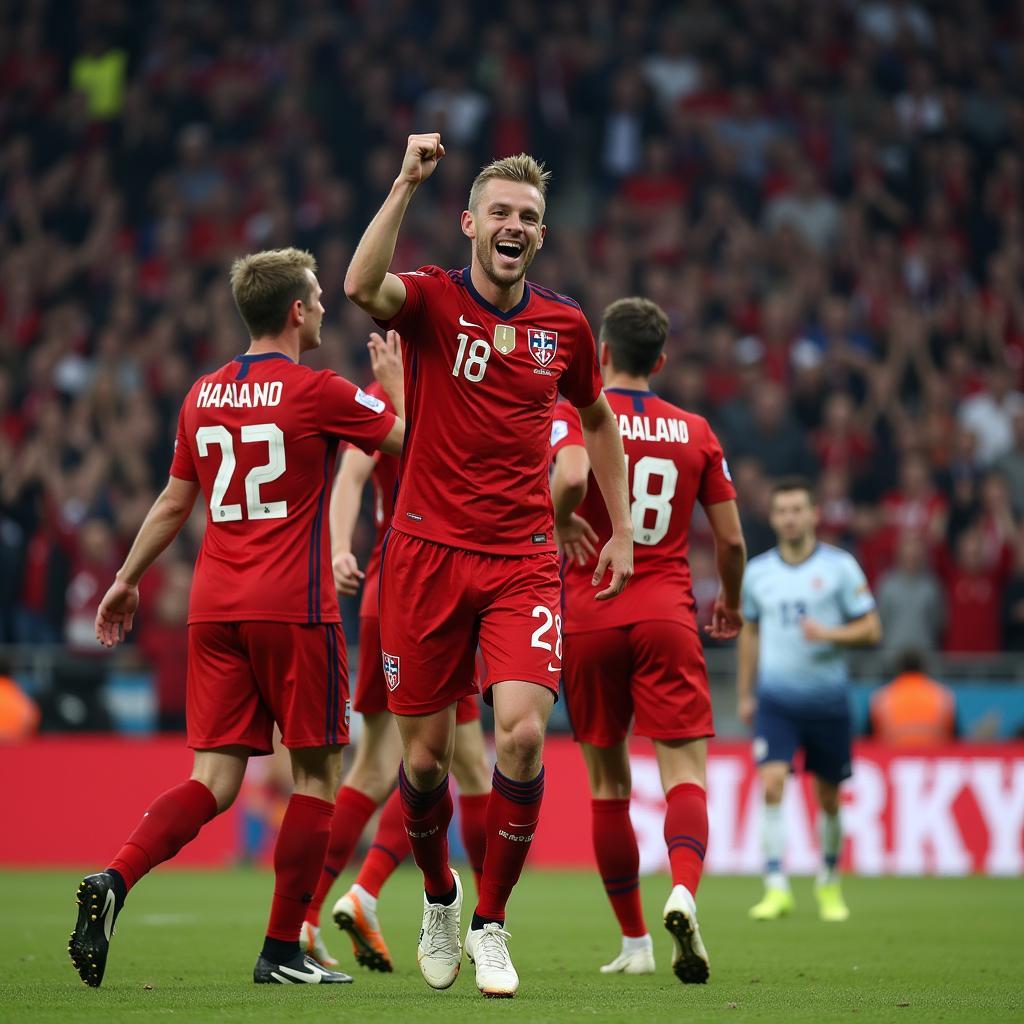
(913, 950)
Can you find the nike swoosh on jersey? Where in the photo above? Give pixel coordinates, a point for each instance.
(551, 668)
(465, 323)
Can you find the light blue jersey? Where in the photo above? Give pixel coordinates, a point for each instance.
(828, 587)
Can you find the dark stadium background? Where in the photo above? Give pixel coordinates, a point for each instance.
(827, 198)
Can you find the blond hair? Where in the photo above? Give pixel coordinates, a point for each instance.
(522, 168)
(265, 284)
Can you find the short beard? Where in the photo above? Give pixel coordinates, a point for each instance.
(485, 257)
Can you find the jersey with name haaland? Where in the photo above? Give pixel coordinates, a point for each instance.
(260, 436)
(385, 479)
(673, 460)
(828, 587)
(480, 387)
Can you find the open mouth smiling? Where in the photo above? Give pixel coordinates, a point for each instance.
(509, 250)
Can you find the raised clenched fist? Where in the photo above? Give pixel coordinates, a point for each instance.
(421, 156)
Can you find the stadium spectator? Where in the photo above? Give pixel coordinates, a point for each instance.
(913, 710)
(19, 715)
(989, 415)
(911, 601)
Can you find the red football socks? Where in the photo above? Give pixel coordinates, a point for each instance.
(298, 860)
(390, 847)
(352, 810)
(513, 811)
(618, 861)
(473, 824)
(173, 820)
(686, 833)
(427, 817)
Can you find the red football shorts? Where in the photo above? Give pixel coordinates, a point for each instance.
(653, 670)
(438, 602)
(245, 676)
(371, 696)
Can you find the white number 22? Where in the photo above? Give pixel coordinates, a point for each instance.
(272, 435)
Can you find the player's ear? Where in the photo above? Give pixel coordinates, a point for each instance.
(468, 224)
(298, 313)
(604, 354)
(540, 239)
(658, 364)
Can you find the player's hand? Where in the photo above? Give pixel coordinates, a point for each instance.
(576, 539)
(815, 632)
(726, 622)
(422, 153)
(617, 556)
(116, 613)
(386, 363)
(347, 574)
(747, 709)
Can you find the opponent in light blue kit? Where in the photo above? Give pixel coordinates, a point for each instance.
(804, 603)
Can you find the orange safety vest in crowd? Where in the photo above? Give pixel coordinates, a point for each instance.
(913, 711)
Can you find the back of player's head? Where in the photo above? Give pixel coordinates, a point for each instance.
(265, 284)
(794, 484)
(522, 168)
(634, 329)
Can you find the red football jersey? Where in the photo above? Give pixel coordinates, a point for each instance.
(385, 480)
(480, 387)
(673, 461)
(260, 435)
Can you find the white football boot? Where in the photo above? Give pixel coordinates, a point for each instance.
(439, 952)
(487, 949)
(636, 957)
(689, 957)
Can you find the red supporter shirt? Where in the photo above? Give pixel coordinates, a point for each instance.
(673, 461)
(385, 480)
(260, 435)
(480, 387)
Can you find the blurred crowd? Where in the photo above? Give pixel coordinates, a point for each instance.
(827, 199)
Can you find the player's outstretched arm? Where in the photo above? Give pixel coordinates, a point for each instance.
(367, 282)
(163, 521)
(575, 537)
(386, 363)
(731, 558)
(346, 498)
(604, 448)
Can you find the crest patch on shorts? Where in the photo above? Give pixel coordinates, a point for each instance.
(392, 669)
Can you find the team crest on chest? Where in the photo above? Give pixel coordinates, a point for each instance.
(542, 344)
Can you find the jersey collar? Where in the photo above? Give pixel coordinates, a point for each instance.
(631, 391)
(502, 314)
(803, 561)
(261, 356)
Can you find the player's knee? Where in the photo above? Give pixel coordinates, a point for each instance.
(224, 789)
(773, 785)
(424, 768)
(522, 745)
